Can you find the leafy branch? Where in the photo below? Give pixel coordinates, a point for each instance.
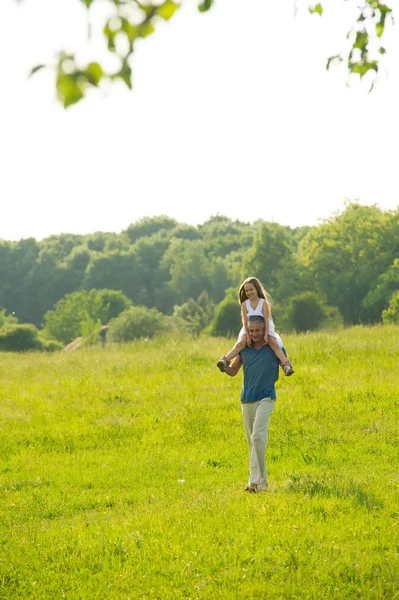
(133, 20)
(367, 38)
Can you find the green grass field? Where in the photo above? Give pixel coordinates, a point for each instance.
(122, 474)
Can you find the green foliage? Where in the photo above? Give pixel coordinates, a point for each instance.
(194, 315)
(391, 314)
(345, 256)
(149, 226)
(306, 312)
(89, 326)
(205, 5)
(317, 8)
(135, 323)
(80, 313)
(223, 236)
(350, 260)
(380, 293)
(332, 318)
(51, 345)
(73, 79)
(19, 338)
(16, 262)
(366, 38)
(6, 319)
(131, 21)
(59, 247)
(227, 321)
(269, 252)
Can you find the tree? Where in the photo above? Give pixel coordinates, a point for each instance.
(133, 20)
(116, 271)
(269, 252)
(380, 293)
(345, 255)
(148, 226)
(189, 268)
(194, 315)
(391, 314)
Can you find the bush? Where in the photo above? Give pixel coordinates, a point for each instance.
(306, 312)
(19, 338)
(6, 319)
(391, 314)
(80, 313)
(227, 321)
(135, 323)
(52, 345)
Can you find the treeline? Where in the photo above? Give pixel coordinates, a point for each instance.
(349, 262)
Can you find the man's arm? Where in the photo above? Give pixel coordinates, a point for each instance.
(235, 366)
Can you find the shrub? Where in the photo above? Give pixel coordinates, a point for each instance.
(80, 313)
(136, 322)
(227, 321)
(19, 338)
(306, 311)
(52, 345)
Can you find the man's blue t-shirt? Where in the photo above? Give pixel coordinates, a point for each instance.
(260, 373)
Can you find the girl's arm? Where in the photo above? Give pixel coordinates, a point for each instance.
(266, 315)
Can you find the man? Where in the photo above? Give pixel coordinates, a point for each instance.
(258, 397)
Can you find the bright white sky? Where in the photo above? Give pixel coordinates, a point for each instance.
(232, 113)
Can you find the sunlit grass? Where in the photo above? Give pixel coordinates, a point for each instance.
(122, 474)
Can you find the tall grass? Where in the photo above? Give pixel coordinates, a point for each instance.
(122, 474)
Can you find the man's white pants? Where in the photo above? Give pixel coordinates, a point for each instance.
(256, 416)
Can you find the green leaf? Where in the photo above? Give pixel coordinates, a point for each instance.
(318, 8)
(167, 9)
(145, 29)
(35, 70)
(94, 73)
(110, 35)
(125, 74)
(361, 41)
(379, 28)
(205, 5)
(362, 68)
(332, 60)
(68, 90)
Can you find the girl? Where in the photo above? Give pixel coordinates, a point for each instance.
(255, 300)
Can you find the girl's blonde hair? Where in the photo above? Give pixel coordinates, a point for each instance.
(260, 290)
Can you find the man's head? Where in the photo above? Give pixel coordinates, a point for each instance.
(256, 328)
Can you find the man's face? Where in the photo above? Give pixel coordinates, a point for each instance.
(256, 331)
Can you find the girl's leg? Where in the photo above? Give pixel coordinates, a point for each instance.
(224, 361)
(284, 362)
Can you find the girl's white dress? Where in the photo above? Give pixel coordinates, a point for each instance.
(258, 311)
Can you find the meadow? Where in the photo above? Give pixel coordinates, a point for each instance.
(122, 474)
